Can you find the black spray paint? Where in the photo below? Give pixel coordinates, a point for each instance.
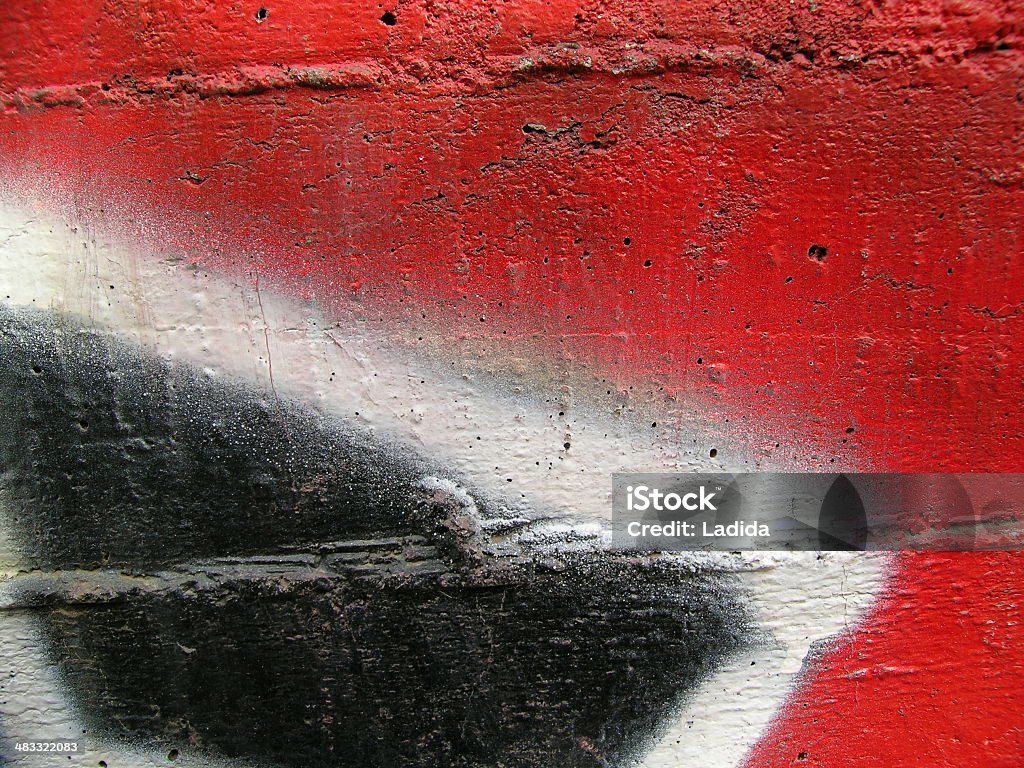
(226, 572)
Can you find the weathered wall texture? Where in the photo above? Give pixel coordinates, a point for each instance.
(324, 324)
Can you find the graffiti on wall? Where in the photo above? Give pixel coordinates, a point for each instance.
(323, 330)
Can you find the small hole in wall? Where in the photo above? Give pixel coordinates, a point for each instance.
(172, 755)
(713, 452)
(389, 19)
(261, 15)
(36, 370)
(817, 252)
(567, 445)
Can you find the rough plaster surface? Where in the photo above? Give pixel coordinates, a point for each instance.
(217, 325)
(596, 237)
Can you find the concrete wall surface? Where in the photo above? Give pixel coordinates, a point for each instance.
(324, 325)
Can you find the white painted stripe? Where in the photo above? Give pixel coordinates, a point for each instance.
(802, 599)
(365, 375)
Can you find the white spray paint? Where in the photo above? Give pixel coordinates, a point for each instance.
(488, 438)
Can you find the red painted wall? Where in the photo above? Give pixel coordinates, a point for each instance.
(801, 217)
